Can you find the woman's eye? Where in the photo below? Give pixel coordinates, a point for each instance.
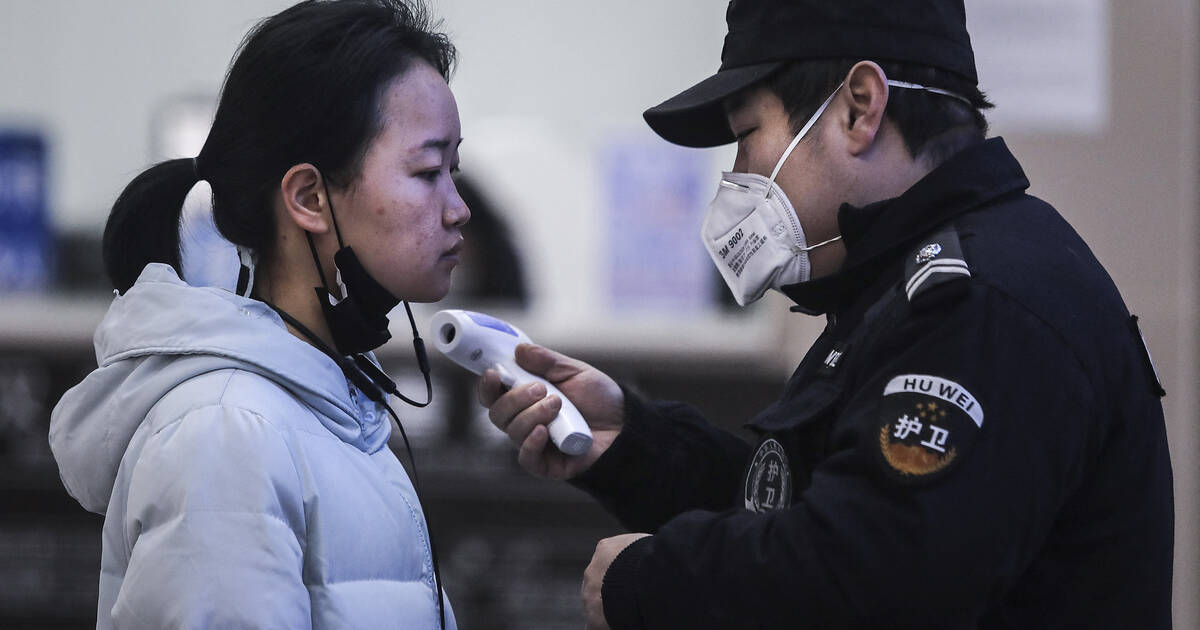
(430, 175)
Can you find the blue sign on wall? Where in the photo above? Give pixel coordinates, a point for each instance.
(25, 258)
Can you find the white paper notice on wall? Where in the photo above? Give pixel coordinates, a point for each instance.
(1044, 63)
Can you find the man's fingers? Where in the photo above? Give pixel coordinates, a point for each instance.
(511, 404)
(490, 388)
(541, 412)
(589, 591)
(530, 456)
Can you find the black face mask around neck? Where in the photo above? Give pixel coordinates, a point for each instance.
(358, 322)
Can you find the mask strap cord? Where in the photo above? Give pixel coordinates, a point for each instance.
(361, 370)
(918, 86)
(381, 379)
(317, 261)
(313, 248)
(332, 216)
(338, 233)
(422, 360)
(803, 132)
(795, 142)
(821, 244)
(433, 555)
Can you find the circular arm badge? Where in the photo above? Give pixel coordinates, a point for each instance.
(769, 478)
(927, 424)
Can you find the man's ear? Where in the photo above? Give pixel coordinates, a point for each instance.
(304, 202)
(867, 90)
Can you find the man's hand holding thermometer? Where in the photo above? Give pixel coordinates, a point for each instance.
(525, 410)
(549, 395)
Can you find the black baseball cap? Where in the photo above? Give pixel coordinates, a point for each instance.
(766, 34)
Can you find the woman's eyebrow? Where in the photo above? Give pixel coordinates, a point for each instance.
(439, 144)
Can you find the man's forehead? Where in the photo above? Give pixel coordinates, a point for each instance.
(735, 102)
(741, 101)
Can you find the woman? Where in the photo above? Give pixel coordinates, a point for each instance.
(234, 442)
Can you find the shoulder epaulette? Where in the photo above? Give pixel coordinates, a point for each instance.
(936, 263)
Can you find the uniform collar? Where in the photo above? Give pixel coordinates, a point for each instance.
(876, 233)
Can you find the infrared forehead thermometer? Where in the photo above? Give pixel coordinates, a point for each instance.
(479, 342)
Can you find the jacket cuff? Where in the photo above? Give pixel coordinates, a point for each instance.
(618, 593)
(627, 456)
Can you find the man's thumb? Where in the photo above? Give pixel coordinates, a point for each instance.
(544, 362)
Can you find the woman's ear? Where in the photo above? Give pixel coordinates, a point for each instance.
(303, 196)
(867, 91)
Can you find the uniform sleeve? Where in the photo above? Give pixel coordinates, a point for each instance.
(215, 528)
(891, 532)
(675, 459)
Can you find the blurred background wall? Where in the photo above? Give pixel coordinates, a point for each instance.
(594, 225)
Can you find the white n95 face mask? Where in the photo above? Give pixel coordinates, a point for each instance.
(752, 233)
(751, 230)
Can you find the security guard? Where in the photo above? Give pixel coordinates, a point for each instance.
(975, 441)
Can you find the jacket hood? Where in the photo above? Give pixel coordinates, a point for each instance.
(163, 332)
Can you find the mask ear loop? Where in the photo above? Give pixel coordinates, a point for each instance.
(918, 86)
(821, 244)
(341, 245)
(796, 141)
(803, 132)
(317, 261)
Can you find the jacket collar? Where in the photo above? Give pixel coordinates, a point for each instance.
(876, 233)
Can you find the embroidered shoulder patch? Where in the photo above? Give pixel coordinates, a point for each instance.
(769, 479)
(927, 424)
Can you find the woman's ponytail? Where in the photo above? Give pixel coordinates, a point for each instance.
(143, 226)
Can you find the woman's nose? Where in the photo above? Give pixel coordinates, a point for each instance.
(457, 213)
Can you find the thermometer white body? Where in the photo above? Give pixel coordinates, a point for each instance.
(478, 342)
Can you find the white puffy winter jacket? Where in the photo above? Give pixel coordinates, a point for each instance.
(244, 483)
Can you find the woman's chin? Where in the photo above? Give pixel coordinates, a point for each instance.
(433, 292)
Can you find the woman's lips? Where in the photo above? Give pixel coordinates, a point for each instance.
(452, 253)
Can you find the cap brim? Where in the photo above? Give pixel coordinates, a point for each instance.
(696, 116)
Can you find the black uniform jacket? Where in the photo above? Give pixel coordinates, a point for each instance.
(975, 441)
